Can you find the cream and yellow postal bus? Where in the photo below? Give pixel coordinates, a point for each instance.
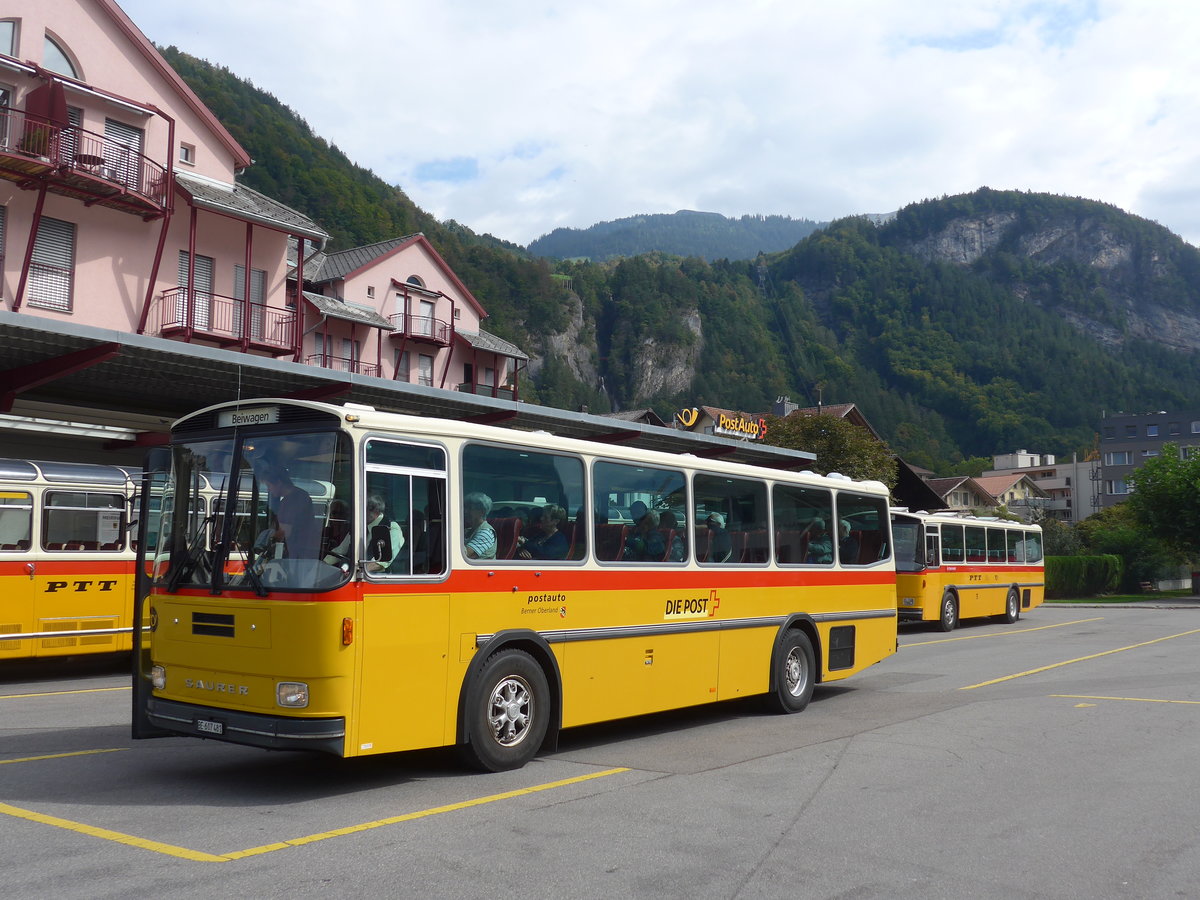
(464, 584)
(951, 567)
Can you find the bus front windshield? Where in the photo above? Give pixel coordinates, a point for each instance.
(264, 513)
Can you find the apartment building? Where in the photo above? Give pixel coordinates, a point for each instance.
(1128, 440)
(1067, 491)
(121, 211)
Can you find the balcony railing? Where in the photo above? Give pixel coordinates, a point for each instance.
(223, 319)
(344, 364)
(79, 163)
(422, 328)
(504, 392)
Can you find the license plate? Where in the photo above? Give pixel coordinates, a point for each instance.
(209, 727)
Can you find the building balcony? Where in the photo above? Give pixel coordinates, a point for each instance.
(81, 164)
(423, 329)
(212, 317)
(343, 364)
(504, 392)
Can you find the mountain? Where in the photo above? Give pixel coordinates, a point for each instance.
(962, 326)
(685, 233)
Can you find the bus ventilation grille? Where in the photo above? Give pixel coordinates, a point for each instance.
(14, 628)
(213, 624)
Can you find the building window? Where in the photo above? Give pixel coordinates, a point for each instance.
(1149, 454)
(1130, 431)
(8, 38)
(415, 279)
(123, 153)
(402, 365)
(1188, 452)
(1196, 428)
(1118, 458)
(1109, 432)
(187, 154)
(1173, 428)
(258, 300)
(1151, 431)
(55, 58)
(425, 370)
(371, 291)
(457, 313)
(52, 272)
(200, 303)
(1117, 486)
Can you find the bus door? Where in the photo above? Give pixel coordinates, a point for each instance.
(17, 571)
(401, 701)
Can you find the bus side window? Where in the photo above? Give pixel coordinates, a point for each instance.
(402, 527)
(16, 520)
(802, 520)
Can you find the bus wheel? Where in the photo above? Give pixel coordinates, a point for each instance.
(1012, 606)
(795, 673)
(949, 617)
(508, 712)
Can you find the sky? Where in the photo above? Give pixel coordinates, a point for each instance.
(516, 118)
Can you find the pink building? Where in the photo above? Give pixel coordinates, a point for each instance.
(120, 210)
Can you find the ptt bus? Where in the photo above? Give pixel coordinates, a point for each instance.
(66, 560)
(951, 567)
(599, 584)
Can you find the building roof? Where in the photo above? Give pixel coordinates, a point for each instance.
(943, 486)
(842, 411)
(343, 262)
(349, 312)
(482, 340)
(242, 202)
(647, 416)
(998, 484)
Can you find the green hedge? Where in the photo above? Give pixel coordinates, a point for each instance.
(1082, 576)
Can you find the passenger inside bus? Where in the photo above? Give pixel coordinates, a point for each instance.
(293, 509)
(720, 545)
(646, 542)
(479, 538)
(820, 545)
(848, 546)
(385, 540)
(550, 542)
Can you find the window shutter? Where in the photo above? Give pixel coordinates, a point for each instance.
(52, 270)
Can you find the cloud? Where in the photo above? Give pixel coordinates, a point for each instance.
(520, 118)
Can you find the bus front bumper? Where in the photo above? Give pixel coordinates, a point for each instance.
(251, 729)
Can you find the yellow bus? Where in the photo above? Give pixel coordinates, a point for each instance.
(951, 567)
(66, 561)
(471, 585)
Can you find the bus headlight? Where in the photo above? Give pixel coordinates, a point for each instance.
(292, 694)
(158, 678)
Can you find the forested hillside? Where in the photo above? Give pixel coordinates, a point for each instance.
(962, 327)
(685, 233)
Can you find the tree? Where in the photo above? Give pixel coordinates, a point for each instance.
(1166, 499)
(840, 446)
(1118, 530)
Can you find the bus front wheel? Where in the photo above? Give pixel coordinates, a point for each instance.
(509, 711)
(795, 673)
(949, 617)
(1012, 607)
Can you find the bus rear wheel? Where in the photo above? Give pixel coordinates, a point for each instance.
(948, 620)
(795, 667)
(508, 712)
(1012, 607)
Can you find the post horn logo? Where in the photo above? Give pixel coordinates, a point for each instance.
(688, 417)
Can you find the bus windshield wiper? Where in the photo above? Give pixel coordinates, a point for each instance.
(190, 557)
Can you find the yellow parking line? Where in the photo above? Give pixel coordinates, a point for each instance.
(1129, 699)
(198, 856)
(60, 693)
(106, 834)
(1067, 662)
(986, 634)
(61, 755)
(408, 817)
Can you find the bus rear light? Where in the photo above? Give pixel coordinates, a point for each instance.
(158, 678)
(347, 631)
(293, 694)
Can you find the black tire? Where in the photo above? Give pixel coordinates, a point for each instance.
(508, 712)
(948, 617)
(1012, 607)
(794, 673)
